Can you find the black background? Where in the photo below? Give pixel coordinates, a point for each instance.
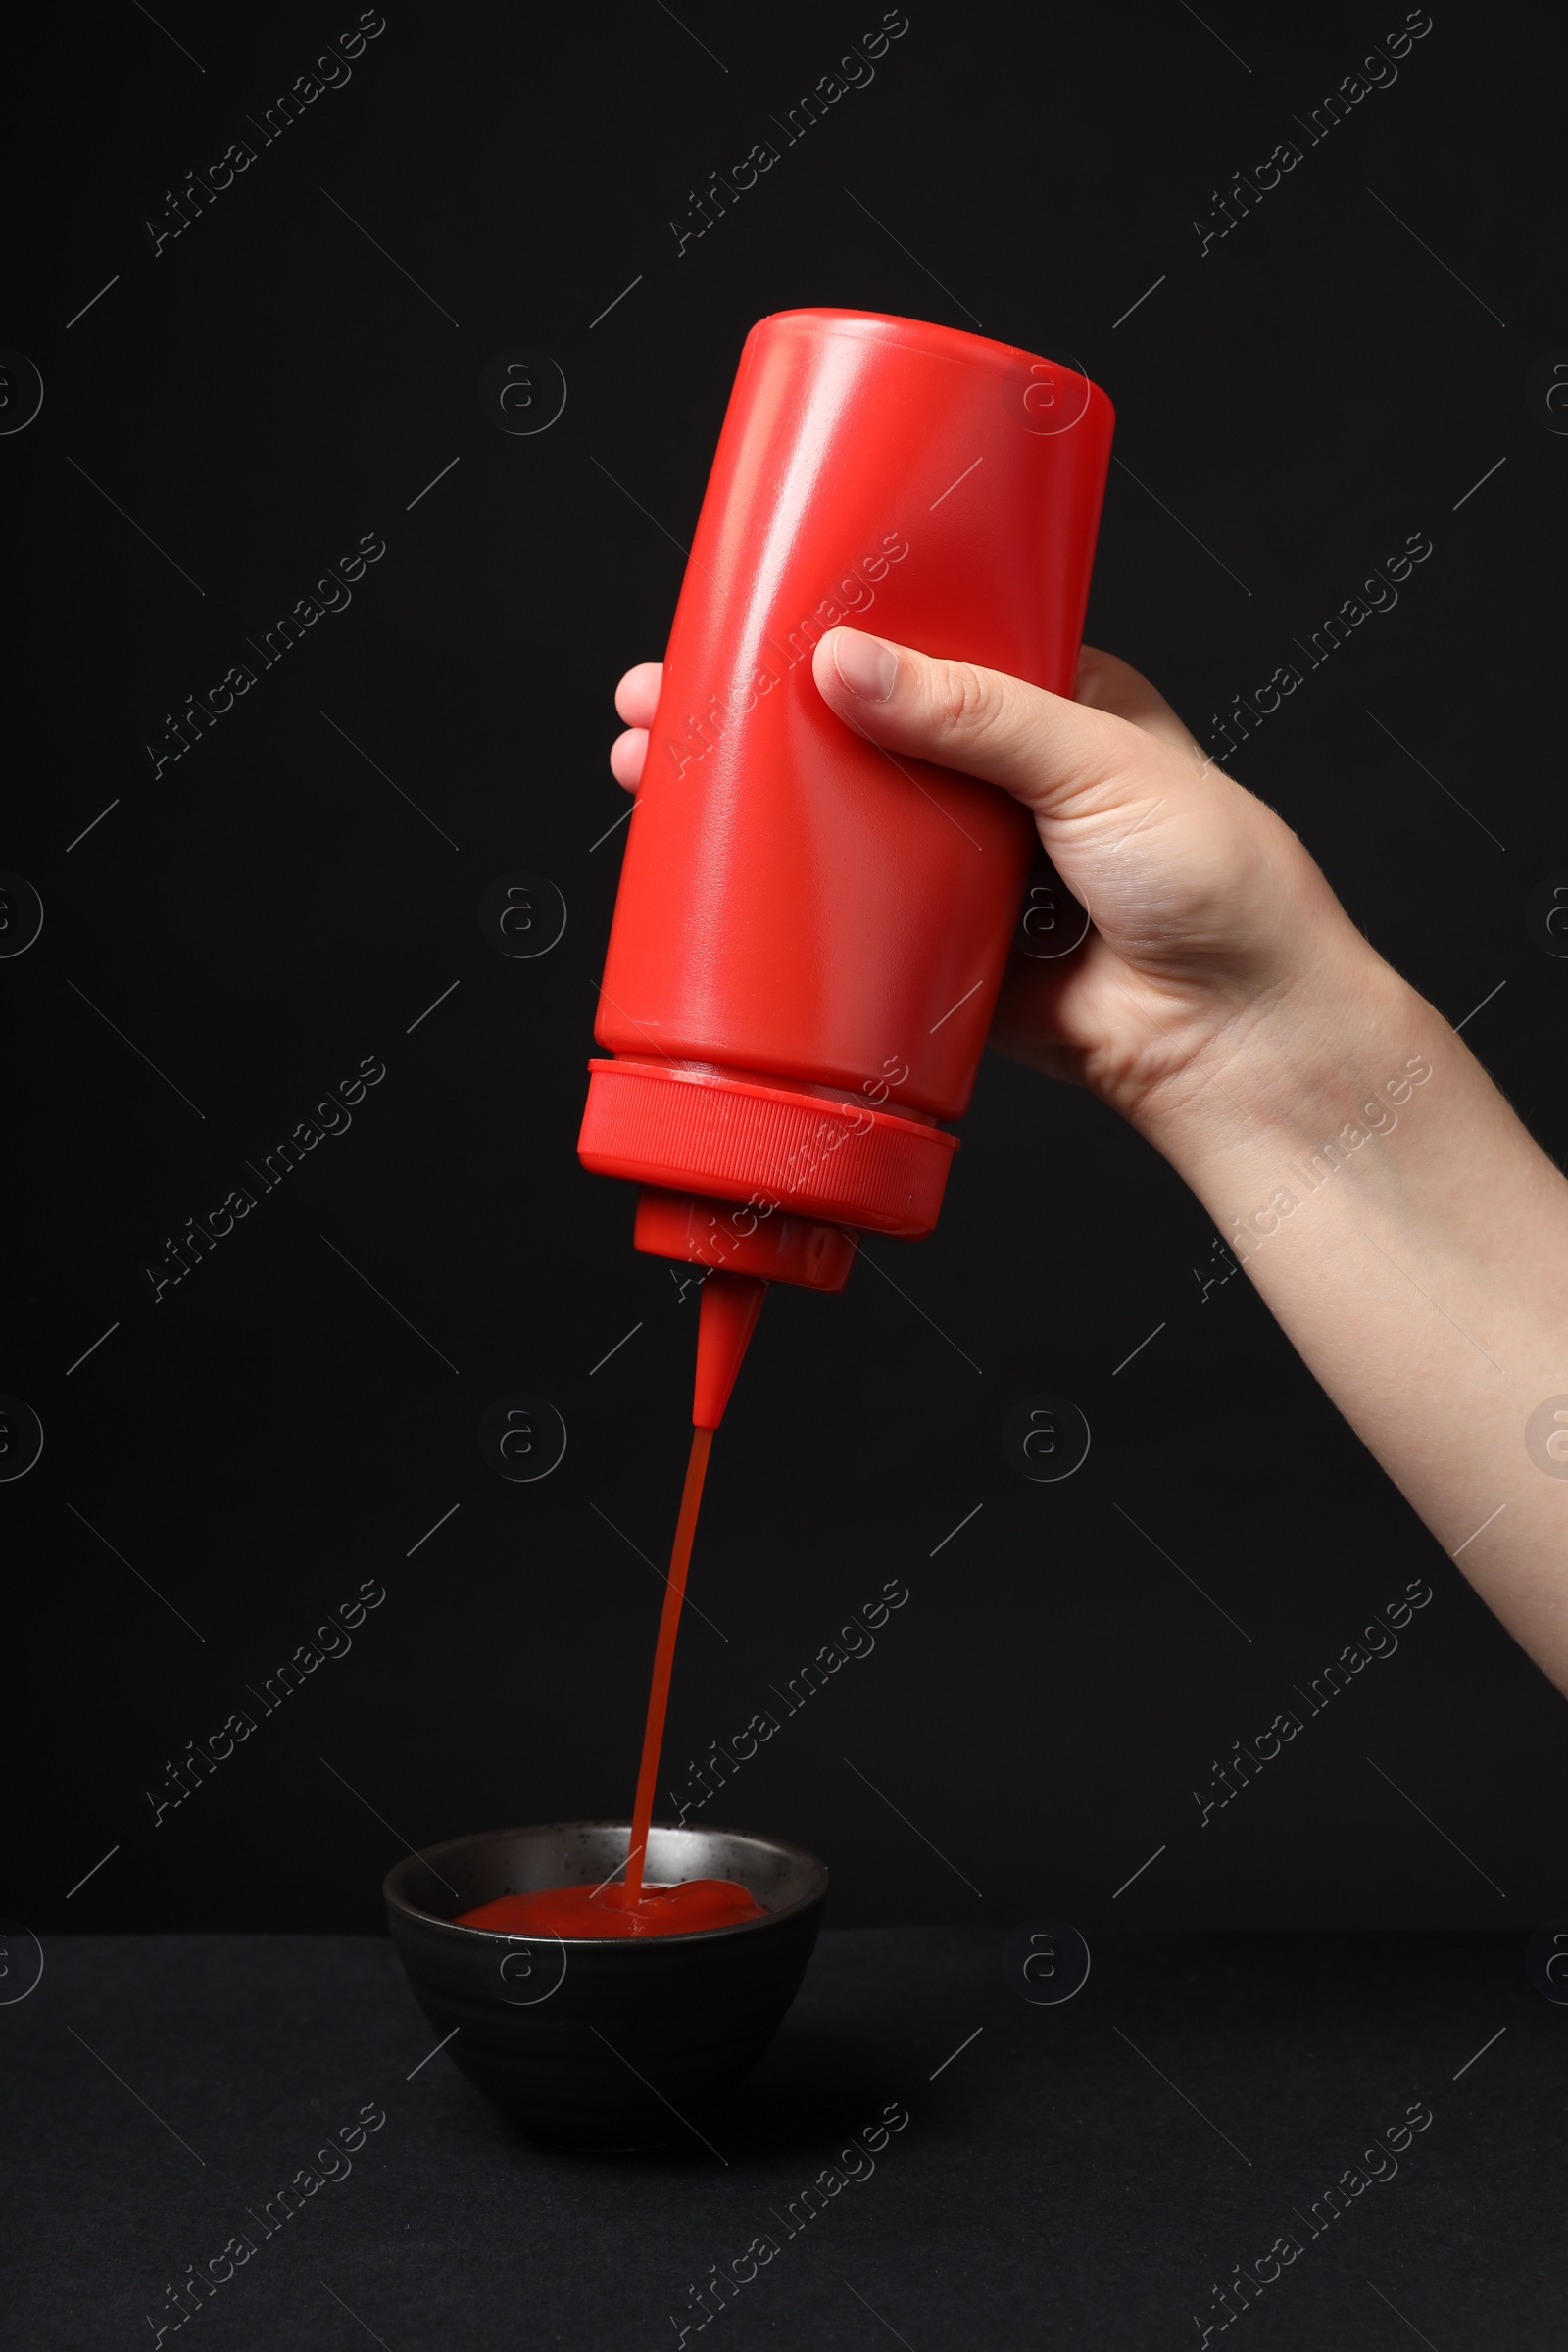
(270, 386)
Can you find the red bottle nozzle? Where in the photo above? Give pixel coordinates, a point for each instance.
(731, 1305)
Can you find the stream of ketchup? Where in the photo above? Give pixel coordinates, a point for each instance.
(634, 1908)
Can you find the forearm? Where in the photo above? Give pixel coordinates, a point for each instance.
(1412, 1241)
(1409, 1237)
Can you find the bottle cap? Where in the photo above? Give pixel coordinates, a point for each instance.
(739, 1237)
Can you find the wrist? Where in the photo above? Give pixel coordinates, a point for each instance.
(1314, 1065)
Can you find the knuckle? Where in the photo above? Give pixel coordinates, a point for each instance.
(966, 703)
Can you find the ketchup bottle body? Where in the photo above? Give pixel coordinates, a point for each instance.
(810, 934)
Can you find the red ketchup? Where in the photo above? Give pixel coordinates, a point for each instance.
(681, 1910)
(630, 1907)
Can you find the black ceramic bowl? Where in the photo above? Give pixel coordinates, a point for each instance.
(604, 2041)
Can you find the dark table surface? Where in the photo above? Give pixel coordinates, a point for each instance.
(1075, 2176)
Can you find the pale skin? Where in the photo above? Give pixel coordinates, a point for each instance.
(1226, 1005)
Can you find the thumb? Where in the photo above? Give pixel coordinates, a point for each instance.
(1058, 757)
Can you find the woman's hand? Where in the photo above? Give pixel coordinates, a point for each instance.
(1210, 923)
(1207, 915)
(1374, 1185)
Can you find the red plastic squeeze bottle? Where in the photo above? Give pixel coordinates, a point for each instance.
(810, 935)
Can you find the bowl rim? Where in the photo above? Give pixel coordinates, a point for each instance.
(397, 1901)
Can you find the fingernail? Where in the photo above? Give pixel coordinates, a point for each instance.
(868, 666)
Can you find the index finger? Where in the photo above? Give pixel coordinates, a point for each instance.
(637, 695)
